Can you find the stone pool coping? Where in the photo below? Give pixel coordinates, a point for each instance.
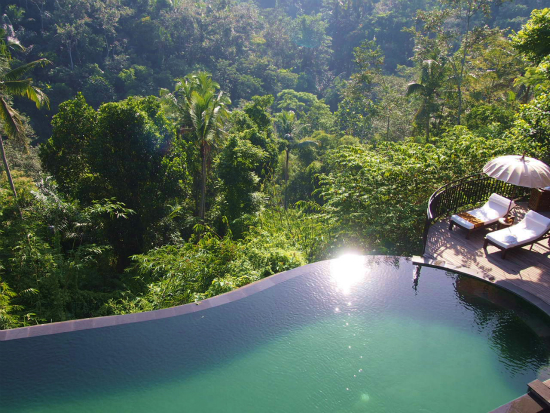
(245, 291)
(109, 321)
(505, 284)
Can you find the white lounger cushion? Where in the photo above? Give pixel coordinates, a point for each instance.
(495, 208)
(533, 226)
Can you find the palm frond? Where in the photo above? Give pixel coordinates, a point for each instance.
(306, 143)
(413, 88)
(16, 73)
(196, 118)
(165, 93)
(38, 97)
(24, 88)
(11, 120)
(16, 87)
(430, 62)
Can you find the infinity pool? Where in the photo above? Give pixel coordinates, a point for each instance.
(349, 335)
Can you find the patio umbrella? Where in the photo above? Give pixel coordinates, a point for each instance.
(519, 170)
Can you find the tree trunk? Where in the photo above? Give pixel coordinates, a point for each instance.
(463, 64)
(8, 174)
(428, 129)
(108, 47)
(203, 183)
(69, 48)
(459, 90)
(286, 179)
(526, 96)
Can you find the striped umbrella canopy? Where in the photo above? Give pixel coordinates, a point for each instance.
(519, 170)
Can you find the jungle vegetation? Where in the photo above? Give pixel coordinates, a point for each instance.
(160, 152)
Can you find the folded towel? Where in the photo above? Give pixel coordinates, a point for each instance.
(470, 218)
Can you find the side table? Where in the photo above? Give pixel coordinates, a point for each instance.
(505, 223)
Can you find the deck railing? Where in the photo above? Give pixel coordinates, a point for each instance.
(470, 191)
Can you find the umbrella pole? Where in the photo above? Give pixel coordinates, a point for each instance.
(507, 216)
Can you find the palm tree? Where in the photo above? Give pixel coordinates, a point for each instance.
(431, 79)
(201, 110)
(288, 128)
(11, 85)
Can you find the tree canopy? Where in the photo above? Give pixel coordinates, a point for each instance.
(194, 147)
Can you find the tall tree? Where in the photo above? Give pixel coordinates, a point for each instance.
(431, 80)
(202, 110)
(453, 31)
(494, 66)
(126, 150)
(288, 128)
(12, 84)
(533, 40)
(357, 108)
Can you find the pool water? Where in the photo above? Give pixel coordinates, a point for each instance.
(353, 335)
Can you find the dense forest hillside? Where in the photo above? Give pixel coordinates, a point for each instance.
(111, 49)
(157, 152)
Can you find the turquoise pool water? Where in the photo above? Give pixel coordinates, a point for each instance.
(346, 336)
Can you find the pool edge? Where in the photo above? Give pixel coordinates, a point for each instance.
(113, 320)
(242, 292)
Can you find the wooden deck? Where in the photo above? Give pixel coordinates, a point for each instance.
(523, 269)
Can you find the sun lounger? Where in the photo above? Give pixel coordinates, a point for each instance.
(496, 207)
(529, 230)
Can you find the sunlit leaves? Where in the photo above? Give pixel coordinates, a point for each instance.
(533, 40)
(378, 196)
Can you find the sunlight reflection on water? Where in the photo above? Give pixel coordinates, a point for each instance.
(347, 271)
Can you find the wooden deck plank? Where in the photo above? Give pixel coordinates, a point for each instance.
(541, 390)
(527, 269)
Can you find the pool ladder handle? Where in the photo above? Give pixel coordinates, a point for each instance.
(541, 390)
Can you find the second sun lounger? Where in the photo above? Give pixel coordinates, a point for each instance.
(529, 230)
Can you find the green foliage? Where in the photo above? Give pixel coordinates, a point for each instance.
(495, 66)
(377, 197)
(354, 117)
(298, 235)
(357, 108)
(533, 40)
(432, 75)
(489, 119)
(448, 36)
(257, 111)
(7, 318)
(313, 113)
(111, 50)
(288, 128)
(309, 35)
(98, 90)
(124, 225)
(532, 126)
(64, 155)
(56, 260)
(12, 84)
(174, 275)
(201, 112)
(254, 124)
(124, 151)
(240, 184)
